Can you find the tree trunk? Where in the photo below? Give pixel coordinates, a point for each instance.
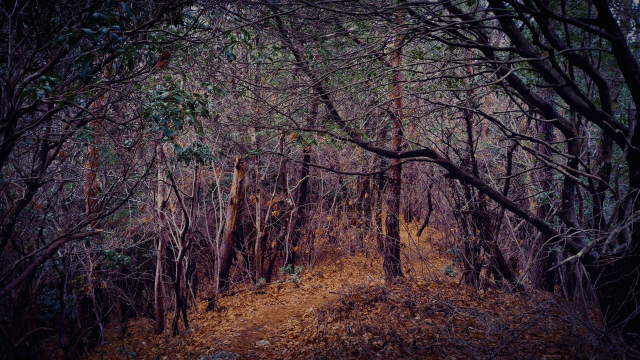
(429, 211)
(618, 288)
(91, 167)
(93, 156)
(392, 265)
(301, 203)
(180, 304)
(259, 247)
(234, 214)
(545, 279)
(302, 193)
(184, 245)
(378, 187)
(476, 231)
(160, 246)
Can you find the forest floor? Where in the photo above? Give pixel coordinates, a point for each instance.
(342, 308)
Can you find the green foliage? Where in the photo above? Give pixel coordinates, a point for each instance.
(452, 251)
(48, 304)
(107, 31)
(170, 110)
(112, 258)
(45, 85)
(197, 152)
(449, 270)
(291, 274)
(239, 36)
(123, 352)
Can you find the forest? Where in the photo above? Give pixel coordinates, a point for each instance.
(166, 162)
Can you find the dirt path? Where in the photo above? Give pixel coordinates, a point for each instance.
(273, 313)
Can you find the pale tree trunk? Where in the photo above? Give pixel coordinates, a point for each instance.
(183, 244)
(160, 246)
(259, 247)
(234, 214)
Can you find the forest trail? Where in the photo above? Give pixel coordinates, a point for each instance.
(343, 309)
(274, 313)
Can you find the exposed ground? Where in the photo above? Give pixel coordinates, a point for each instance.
(343, 309)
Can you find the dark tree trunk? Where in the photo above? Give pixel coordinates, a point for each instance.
(429, 211)
(618, 287)
(392, 264)
(598, 191)
(546, 279)
(302, 193)
(300, 209)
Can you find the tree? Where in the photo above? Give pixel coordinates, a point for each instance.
(392, 264)
(56, 100)
(232, 225)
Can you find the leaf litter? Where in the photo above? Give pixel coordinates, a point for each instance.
(343, 308)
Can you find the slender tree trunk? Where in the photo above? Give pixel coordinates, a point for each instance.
(369, 203)
(603, 160)
(545, 260)
(476, 233)
(180, 304)
(93, 156)
(184, 245)
(91, 184)
(301, 203)
(259, 248)
(379, 186)
(302, 193)
(160, 246)
(91, 171)
(429, 211)
(282, 240)
(234, 214)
